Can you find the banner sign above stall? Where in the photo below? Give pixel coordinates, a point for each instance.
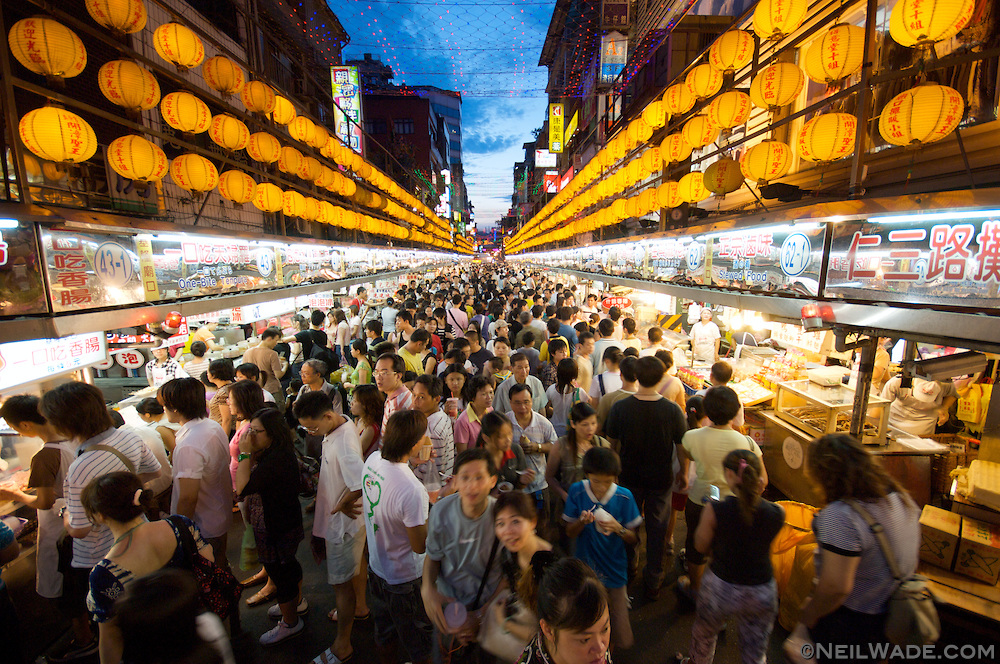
(89, 271)
(24, 362)
(768, 259)
(944, 261)
(620, 302)
(21, 288)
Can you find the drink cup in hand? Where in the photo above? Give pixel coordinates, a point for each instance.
(425, 452)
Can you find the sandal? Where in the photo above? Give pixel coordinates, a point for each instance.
(260, 598)
(332, 616)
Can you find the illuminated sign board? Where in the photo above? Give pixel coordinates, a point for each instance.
(571, 128)
(544, 159)
(39, 359)
(614, 52)
(556, 127)
(348, 118)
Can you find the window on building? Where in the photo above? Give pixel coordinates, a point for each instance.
(375, 126)
(403, 125)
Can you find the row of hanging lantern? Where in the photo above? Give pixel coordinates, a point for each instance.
(921, 115)
(47, 47)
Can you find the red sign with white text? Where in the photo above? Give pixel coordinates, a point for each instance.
(620, 302)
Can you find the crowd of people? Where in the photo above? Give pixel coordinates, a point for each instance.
(491, 455)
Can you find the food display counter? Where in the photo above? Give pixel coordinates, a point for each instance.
(821, 409)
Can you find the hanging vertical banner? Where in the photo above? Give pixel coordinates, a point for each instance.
(556, 127)
(147, 268)
(551, 182)
(571, 128)
(614, 14)
(348, 118)
(614, 51)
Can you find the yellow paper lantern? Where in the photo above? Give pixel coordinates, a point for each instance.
(837, 54)
(766, 161)
(284, 112)
(652, 161)
(703, 81)
(774, 20)
(263, 147)
(647, 201)
(293, 204)
(699, 131)
(668, 195)
(678, 100)
(691, 188)
(46, 46)
(268, 197)
(186, 113)
(194, 173)
(920, 22)
(135, 158)
(179, 45)
(223, 75)
(325, 178)
(326, 212)
(289, 160)
(310, 209)
(302, 129)
(258, 97)
(128, 85)
(53, 172)
(237, 186)
(320, 138)
(675, 149)
(920, 115)
(827, 137)
(730, 109)
(58, 135)
(229, 133)
(723, 177)
(634, 170)
(349, 187)
(309, 169)
(776, 86)
(731, 51)
(120, 16)
(654, 114)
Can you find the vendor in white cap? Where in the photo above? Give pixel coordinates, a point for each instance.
(918, 410)
(705, 338)
(162, 367)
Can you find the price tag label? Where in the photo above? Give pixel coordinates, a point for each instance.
(130, 358)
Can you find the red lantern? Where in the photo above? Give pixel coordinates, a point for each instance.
(172, 322)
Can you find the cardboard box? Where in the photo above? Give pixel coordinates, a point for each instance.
(940, 531)
(979, 551)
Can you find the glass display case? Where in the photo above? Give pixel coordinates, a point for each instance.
(819, 409)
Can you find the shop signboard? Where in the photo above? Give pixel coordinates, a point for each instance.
(614, 14)
(566, 178)
(556, 120)
(88, 271)
(22, 290)
(768, 259)
(669, 258)
(614, 53)
(130, 358)
(616, 301)
(939, 258)
(551, 182)
(571, 128)
(544, 159)
(299, 263)
(24, 362)
(348, 118)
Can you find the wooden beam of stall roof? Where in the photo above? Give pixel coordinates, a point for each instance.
(61, 325)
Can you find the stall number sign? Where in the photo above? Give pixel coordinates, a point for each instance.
(130, 358)
(620, 302)
(29, 361)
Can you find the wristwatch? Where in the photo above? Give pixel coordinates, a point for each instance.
(622, 531)
(242, 456)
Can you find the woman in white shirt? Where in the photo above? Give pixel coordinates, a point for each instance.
(705, 338)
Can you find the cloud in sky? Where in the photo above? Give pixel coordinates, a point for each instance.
(486, 49)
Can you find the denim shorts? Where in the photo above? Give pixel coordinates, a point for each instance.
(398, 613)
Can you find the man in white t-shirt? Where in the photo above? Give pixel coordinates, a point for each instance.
(395, 511)
(338, 534)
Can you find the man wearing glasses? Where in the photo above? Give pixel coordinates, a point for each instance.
(388, 376)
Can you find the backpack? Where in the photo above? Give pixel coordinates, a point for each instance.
(326, 356)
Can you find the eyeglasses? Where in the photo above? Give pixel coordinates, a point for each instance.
(254, 431)
(383, 372)
(312, 430)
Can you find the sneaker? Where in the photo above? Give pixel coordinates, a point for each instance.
(75, 651)
(281, 632)
(274, 611)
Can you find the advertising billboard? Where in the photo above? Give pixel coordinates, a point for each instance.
(556, 127)
(544, 159)
(348, 118)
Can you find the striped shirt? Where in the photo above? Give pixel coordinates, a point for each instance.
(439, 430)
(401, 399)
(90, 464)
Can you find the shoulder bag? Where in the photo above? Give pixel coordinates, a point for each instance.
(912, 617)
(217, 587)
(493, 637)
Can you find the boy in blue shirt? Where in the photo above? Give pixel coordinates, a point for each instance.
(604, 517)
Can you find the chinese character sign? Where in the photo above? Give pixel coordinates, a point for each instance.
(614, 52)
(768, 259)
(556, 127)
(89, 271)
(349, 118)
(938, 262)
(614, 14)
(24, 362)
